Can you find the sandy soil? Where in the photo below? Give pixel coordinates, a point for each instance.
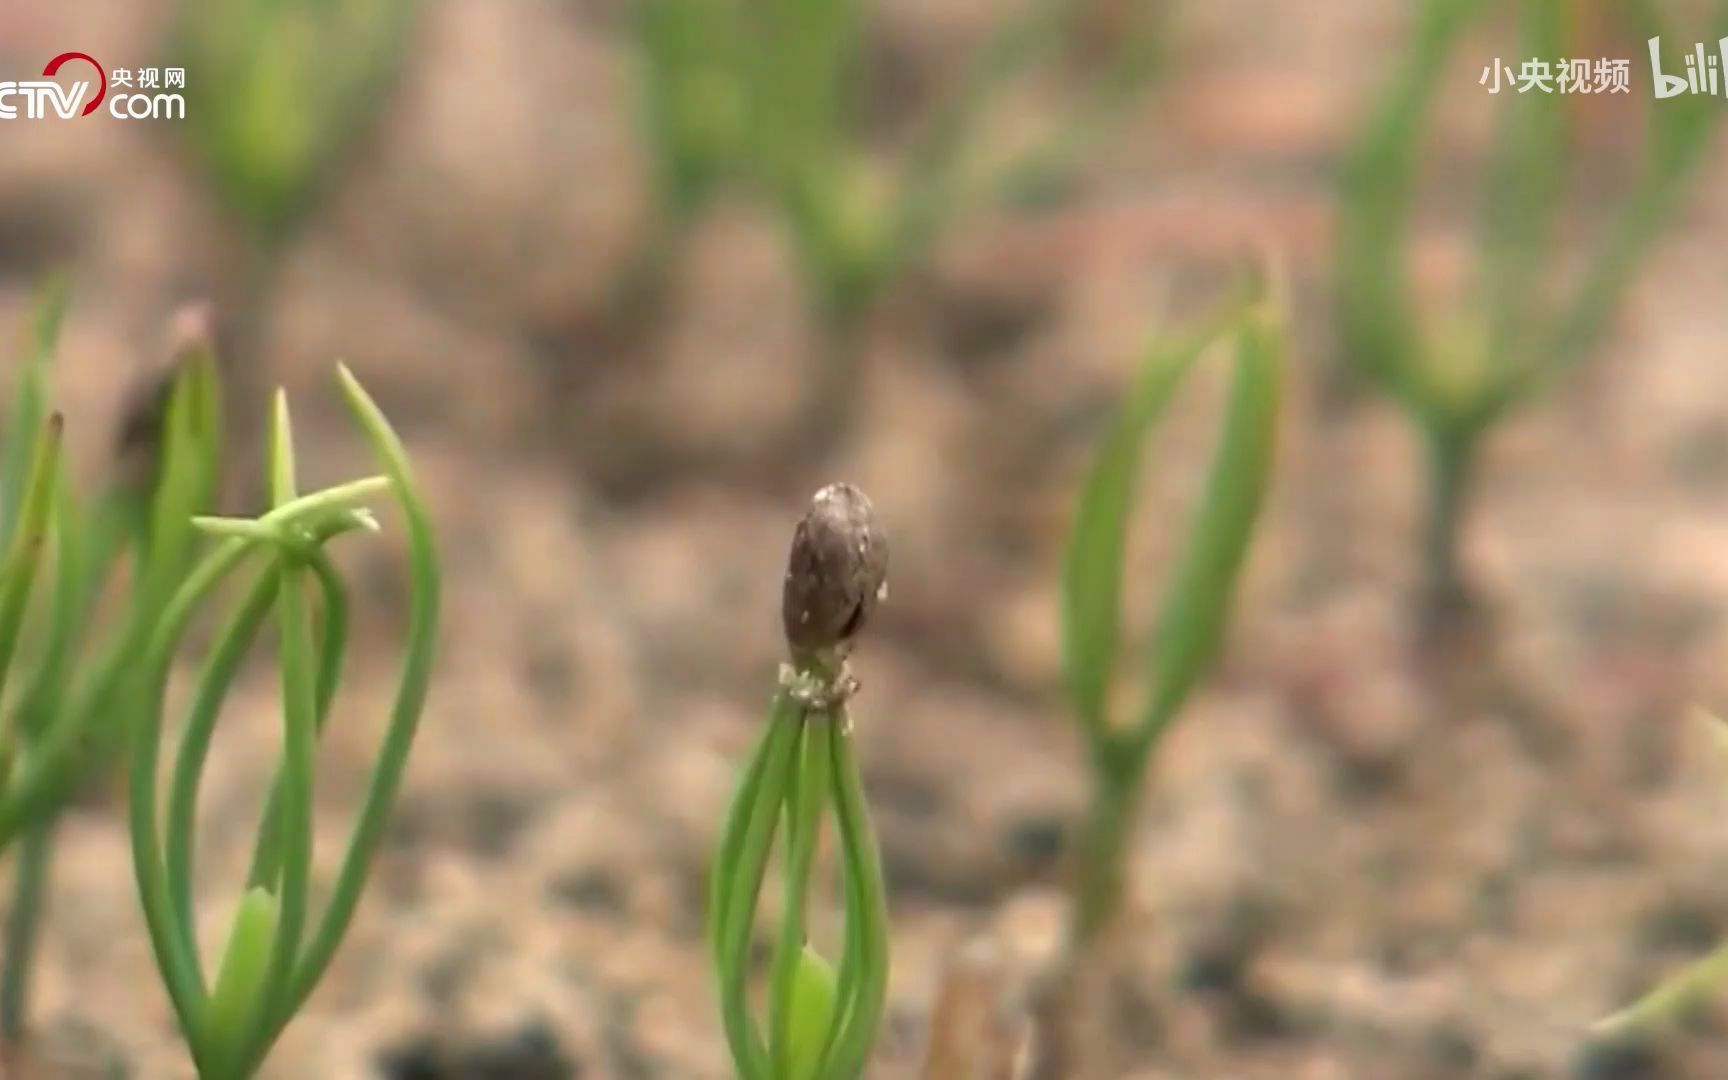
(1348, 866)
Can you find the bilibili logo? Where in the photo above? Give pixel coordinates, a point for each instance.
(1703, 71)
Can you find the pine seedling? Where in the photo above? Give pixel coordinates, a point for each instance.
(78, 689)
(765, 98)
(280, 941)
(691, 109)
(1523, 331)
(30, 475)
(278, 94)
(277, 91)
(67, 718)
(1196, 606)
(821, 1020)
(1189, 631)
(855, 226)
(1689, 990)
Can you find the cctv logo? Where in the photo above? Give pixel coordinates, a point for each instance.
(36, 99)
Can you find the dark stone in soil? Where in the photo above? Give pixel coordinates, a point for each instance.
(1453, 1049)
(1215, 967)
(530, 1053)
(1683, 926)
(485, 822)
(591, 889)
(1255, 1017)
(1618, 1059)
(1036, 842)
(1219, 972)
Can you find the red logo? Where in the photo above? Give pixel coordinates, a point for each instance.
(54, 66)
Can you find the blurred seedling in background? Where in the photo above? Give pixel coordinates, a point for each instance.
(766, 98)
(691, 106)
(83, 583)
(80, 683)
(281, 89)
(277, 93)
(1690, 990)
(1191, 620)
(1533, 316)
(821, 1020)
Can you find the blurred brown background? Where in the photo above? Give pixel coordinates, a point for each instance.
(1347, 868)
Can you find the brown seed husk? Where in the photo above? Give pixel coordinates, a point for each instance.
(138, 434)
(837, 571)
